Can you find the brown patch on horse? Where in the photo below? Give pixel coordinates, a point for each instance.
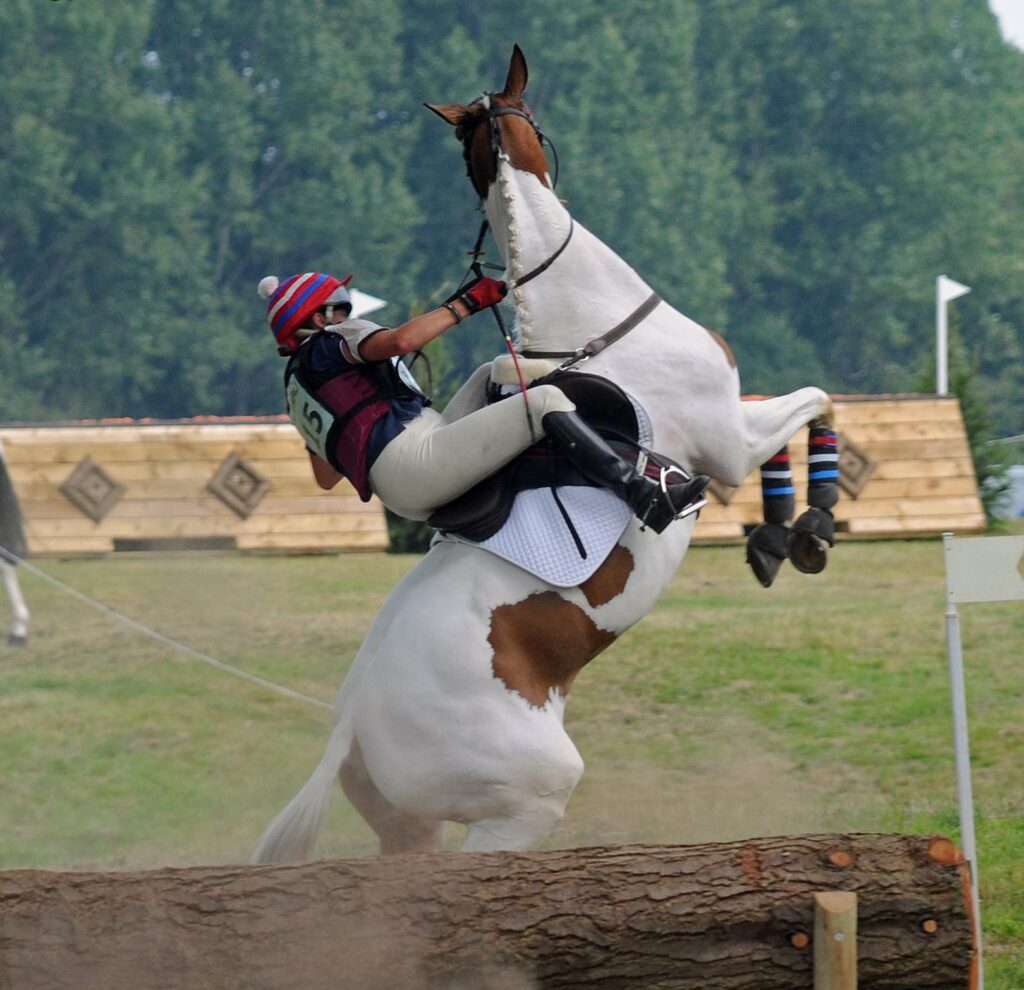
(720, 340)
(542, 643)
(397, 831)
(609, 580)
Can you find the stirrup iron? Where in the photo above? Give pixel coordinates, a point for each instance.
(686, 510)
(664, 498)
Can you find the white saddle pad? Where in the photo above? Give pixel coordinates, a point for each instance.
(537, 537)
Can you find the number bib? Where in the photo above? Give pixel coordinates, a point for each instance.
(311, 418)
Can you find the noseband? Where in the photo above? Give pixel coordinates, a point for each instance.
(464, 132)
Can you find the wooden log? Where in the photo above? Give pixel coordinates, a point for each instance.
(717, 917)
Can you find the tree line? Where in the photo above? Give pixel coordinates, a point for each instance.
(792, 174)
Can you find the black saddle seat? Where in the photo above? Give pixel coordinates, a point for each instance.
(480, 512)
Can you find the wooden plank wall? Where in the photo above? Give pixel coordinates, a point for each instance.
(164, 470)
(922, 480)
(921, 483)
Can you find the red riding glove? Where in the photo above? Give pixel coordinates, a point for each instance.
(483, 293)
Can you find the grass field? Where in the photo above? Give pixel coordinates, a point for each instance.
(821, 704)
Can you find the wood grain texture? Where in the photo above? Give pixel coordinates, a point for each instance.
(922, 483)
(165, 469)
(715, 917)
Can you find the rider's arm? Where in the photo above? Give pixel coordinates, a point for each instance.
(325, 475)
(421, 330)
(411, 336)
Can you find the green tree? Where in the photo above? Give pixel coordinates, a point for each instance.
(793, 174)
(871, 131)
(98, 238)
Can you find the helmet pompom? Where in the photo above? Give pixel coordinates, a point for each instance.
(267, 286)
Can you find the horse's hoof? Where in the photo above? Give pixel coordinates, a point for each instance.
(809, 540)
(15, 640)
(766, 550)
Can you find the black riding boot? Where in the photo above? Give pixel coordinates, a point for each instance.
(593, 457)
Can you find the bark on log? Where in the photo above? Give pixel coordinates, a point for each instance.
(729, 916)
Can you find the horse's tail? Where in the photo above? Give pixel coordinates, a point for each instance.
(292, 835)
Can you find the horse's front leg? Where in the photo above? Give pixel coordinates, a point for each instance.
(769, 425)
(19, 610)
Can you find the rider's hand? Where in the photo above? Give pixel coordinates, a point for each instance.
(483, 293)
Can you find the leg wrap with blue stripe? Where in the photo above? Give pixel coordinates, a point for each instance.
(777, 490)
(767, 545)
(822, 468)
(815, 531)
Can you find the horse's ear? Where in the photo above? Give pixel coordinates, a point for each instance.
(515, 81)
(452, 113)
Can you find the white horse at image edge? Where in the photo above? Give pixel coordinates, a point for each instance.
(12, 547)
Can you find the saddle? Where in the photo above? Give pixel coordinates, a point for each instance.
(481, 512)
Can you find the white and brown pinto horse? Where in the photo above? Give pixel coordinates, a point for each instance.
(453, 708)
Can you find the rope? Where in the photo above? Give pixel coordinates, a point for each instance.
(166, 640)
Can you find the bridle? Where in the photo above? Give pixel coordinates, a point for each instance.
(464, 132)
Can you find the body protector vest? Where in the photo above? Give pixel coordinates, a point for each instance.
(336, 414)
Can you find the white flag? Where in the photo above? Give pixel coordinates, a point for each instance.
(948, 289)
(363, 303)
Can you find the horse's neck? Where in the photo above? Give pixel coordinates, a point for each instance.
(587, 289)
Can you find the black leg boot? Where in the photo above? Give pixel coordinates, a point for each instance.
(815, 531)
(768, 544)
(655, 505)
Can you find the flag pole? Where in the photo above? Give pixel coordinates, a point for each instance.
(945, 290)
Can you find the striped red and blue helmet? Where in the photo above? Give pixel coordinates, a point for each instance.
(292, 302)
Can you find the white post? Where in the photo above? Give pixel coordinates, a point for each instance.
(945, 290)
(961, 747)
(941, 342)
(980, 569)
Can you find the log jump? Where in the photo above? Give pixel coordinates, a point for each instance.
(725, 916)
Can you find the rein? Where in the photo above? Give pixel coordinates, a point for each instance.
(463, 132)
(533, 273)
(594, 346)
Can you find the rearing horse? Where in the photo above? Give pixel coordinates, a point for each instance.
(453, 707)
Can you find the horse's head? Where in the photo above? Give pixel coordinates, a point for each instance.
(510, 130)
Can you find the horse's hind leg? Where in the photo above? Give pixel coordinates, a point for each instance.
(769, 424)
(19, 610)
(398, 832)
(510, 834)
(531, 818)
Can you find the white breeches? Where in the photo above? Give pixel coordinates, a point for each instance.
(435, 459)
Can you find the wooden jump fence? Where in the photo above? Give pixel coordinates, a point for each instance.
(906, 471)
(243, 484)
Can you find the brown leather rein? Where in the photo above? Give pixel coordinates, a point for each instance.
(594, 346)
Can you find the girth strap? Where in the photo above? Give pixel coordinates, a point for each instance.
(598, 344)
